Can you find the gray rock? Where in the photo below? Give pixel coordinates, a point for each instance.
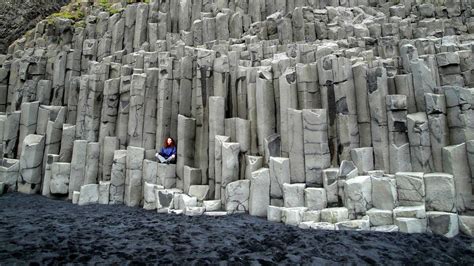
(316, 150)
(334, 215)
(89, 194)
(357, 225)
(455, 163)
(385, 228)
(296, 146)
(380, 217)
(440, 192)
(237, 196)
(313, 216)
(443, 223)
(274, 214)
(117, 177)
(330, 185)
(9, 174)
(358, 195)
(292, 216)
(363, 159)
(104, 192)
(192, 176)
(466, 224)
(411, 225)
(293, 195)
(166, 175)
(60, 178)
(31, 161)
(279, 175)
(315, 198)
(212, 205)
(200, 192)
(410, 188)
(418, 212)
(384, 193)
(259, 198)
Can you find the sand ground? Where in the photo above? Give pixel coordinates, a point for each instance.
(35, 229)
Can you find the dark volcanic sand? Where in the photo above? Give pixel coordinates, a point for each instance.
(38, 229)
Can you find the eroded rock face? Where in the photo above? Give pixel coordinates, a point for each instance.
(18, 17)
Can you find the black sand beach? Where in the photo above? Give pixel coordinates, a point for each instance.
(35, 229)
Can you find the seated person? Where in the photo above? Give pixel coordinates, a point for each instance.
(168, 152)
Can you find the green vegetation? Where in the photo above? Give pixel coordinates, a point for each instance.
(80, 24)
(104, 4)
(74, 15)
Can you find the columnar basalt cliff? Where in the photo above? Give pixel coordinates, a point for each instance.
(337, 114)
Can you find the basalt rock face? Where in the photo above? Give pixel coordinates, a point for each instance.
(17, 17)
(342, 115)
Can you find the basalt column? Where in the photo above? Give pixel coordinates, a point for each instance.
(137, 110)
(216, 127)
(377, 91)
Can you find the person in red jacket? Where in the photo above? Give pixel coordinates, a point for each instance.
(168, 152)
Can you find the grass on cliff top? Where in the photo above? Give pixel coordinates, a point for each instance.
(72, 12)
(108, 7)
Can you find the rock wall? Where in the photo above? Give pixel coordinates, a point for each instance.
(17, 17)
(322, 114)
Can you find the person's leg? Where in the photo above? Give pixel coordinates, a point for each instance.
(161, 159)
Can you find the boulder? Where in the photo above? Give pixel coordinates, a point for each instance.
(212, 205)
(292, 216)
(363, 159)
(237, 196)
(380, 217)
(330, 185)
(384, 193)
(9, 174)
(201, 192)
(358, 195)
(192, 176)
(279, 175)
(418, 212)
(184, 201)
(334, 215)
(466, 225)
(313, 216)
(357, 225)
(166, 175)
(165, 199)
(385, 228)
(443, 223)
(315, 198)
(60, 178)
(293, 195)
(305, 224)
(194, 211)
(274, 214)
(75, 197)
(455, 162)
(259, 198)
(215, 213)
(440, 192)
(31, 164)
(323, 226)
(89, 194)
(411, 225)
(149, 196)
(104, 192)
(410, 188)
